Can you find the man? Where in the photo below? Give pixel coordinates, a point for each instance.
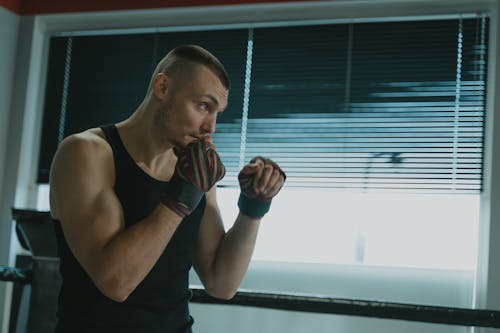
(135, 206)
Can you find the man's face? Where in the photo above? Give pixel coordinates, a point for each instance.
(192, 109)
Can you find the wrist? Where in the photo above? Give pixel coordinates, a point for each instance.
(175, 207)
(181, 196)
(253, 207)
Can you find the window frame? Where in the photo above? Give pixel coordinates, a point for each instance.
(259, 15)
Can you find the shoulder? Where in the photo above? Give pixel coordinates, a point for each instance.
(89, 139)
(83, 161)
(90, 143)
(83, 152)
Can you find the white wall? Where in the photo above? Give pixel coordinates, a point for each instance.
(15, 180)
(488, 272)
(9, 26)
(429, 287)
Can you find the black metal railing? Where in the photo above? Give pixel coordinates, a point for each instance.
(357, 307)
(13, 274)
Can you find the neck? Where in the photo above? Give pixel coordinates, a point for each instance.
(144, 141)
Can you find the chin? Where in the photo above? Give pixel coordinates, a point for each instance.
(182, 144)
(179, 145)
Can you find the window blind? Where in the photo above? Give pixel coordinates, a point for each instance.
(375, 106)
(393, 106)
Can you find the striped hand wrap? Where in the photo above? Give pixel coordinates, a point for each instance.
(200, 164)
(198, 168)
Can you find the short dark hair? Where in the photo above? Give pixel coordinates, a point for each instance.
(195, 54)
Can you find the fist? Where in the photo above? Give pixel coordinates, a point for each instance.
(261, 179)
(198, 168)
(200, 164)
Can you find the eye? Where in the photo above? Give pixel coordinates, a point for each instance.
(204, 106)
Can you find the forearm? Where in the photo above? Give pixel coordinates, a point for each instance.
(222, 258)
(125, 260)
(233, 256)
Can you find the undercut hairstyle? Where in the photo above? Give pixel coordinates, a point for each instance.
(181, 58)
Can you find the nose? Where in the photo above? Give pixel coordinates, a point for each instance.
(209, 123)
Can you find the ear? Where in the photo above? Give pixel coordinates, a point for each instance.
(160, 85)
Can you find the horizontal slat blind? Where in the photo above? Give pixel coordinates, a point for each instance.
(382, 106)
(369, 106)
(52, 111)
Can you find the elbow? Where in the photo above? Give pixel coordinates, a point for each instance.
(226, 293)
(227, 296)
(117, 296)
(114, 289)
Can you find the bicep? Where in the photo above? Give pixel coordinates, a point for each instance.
(210, 236)
(84, 200)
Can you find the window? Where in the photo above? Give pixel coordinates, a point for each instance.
(379, 127)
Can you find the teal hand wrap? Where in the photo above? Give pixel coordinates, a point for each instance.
(254, 208)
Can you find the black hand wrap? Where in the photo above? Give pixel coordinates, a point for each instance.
(183, 196)
(198, 168)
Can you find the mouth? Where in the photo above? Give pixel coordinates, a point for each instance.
(206, 138)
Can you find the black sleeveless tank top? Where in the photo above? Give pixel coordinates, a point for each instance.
(160, 301)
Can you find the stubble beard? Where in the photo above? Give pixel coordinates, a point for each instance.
(161, 119)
